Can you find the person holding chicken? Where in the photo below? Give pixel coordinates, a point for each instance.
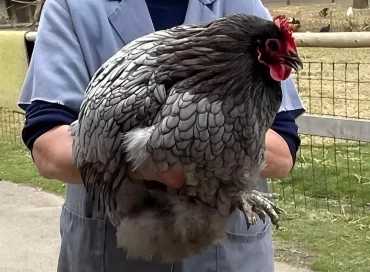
(74, 39)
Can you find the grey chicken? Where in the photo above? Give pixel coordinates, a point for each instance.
(200, 97)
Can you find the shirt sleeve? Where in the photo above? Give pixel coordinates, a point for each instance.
(43, 116)
(57, 72)
(285, 125)
(57, 76)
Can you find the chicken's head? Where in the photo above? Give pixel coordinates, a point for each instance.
(280, 53)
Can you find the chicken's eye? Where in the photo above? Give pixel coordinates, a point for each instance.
(273, 45)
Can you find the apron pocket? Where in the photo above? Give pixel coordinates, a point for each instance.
(246, 250)
(82, 247)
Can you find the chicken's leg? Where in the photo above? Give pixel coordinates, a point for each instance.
(255, 204)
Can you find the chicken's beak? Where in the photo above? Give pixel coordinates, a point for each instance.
(294, 61)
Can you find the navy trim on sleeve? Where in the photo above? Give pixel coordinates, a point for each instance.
(285, 125)
(43, 116)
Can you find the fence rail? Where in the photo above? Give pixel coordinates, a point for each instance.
(303, 2)
(334, 127)
(309, 39)
(333, 166)
(333, 39)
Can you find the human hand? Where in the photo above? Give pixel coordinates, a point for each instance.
(173, 177)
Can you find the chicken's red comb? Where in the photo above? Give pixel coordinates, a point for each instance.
(284, 26)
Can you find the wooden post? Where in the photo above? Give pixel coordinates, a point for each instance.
(31, 36)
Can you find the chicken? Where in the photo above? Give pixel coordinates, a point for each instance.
(325, 28)
(295, 24)
(200, 97)
(324, 12)
(349, 12)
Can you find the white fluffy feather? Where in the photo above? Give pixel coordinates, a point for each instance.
(135, 142)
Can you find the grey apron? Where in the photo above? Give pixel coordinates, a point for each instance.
(89, 244)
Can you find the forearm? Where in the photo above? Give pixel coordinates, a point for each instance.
(52, 154)
(278, 157)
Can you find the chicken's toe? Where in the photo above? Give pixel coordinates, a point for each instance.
(250, 215)
(262, 206)
(261, 213)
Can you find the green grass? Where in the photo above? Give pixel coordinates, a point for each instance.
(324, 241)
(15, 160)
(327, 197)
(16, 165)
(329, 174)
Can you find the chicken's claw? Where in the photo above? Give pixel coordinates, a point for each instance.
(255, 204)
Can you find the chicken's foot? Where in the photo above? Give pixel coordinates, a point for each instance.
(255, 204)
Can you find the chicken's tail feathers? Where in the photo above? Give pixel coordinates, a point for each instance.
(135, 143)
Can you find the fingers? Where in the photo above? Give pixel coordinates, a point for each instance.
(172, 178)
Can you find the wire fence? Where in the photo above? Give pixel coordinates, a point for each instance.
(330, 173)
(11, 124)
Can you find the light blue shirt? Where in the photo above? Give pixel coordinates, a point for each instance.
(74, 38)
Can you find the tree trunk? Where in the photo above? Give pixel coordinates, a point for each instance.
(360, 4)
